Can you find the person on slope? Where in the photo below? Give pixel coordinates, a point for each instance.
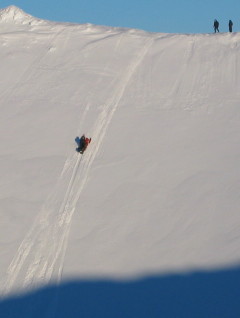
(216, 26)
(230, 24)
(86, 143)
(82, 143)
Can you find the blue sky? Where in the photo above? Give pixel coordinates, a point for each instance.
(173, 16)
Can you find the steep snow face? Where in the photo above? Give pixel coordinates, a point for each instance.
(13, 14)
(157, 189)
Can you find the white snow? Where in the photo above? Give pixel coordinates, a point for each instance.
(13, 14)
(157, 190)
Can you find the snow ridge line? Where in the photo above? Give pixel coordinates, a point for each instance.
(42, 252)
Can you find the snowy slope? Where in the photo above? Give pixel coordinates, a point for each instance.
(157, 191)
(13, 14)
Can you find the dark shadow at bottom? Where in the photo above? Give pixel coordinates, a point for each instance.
(213, 294)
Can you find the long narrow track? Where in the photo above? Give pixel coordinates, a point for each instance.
(40, 257)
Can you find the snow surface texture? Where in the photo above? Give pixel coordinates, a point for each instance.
(156, 192)
(13, 14)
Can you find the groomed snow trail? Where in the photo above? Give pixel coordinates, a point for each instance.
(40, 257)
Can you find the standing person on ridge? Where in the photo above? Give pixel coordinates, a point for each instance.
(230, 24)
(216, 25)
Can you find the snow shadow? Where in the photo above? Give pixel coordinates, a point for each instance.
(194, 295)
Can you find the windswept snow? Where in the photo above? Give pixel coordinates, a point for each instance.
(157, 191)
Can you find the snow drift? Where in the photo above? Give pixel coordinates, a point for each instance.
(157, 190)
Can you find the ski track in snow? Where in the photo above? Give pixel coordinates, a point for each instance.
(41, 254)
